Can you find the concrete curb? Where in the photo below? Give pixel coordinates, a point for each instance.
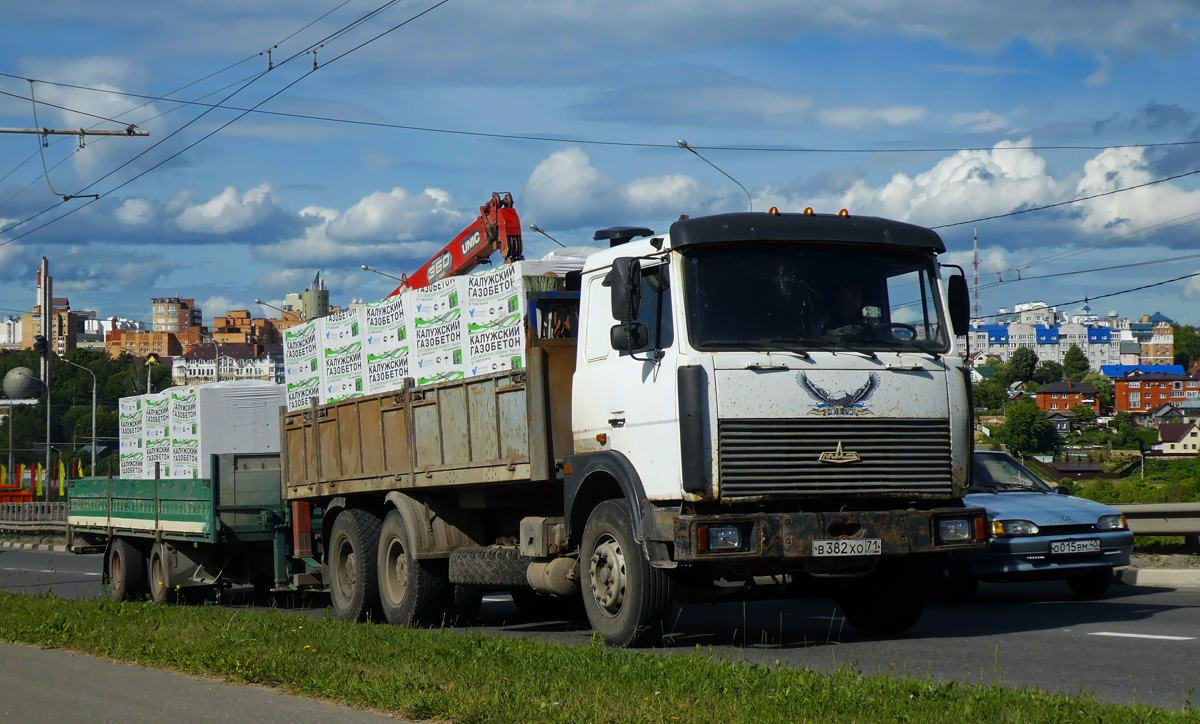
(1165, 577)
(34, 546)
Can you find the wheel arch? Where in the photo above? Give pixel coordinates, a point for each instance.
(599, 476)
(436, 525)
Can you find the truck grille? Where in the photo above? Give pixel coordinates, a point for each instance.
(783, 457)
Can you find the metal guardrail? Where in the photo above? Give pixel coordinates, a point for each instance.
(31, 512)
(1163, 518)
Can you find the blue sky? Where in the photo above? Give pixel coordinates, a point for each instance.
(254, 210)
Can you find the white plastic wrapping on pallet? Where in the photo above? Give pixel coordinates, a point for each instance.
(227, 417)
(302, 364)
(185, 432)
(495, 311)
(156, 434)
(386, 344)
(130, 431)
(343, 361)
(439, 338)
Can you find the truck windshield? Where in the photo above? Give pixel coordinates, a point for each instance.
(812, 297)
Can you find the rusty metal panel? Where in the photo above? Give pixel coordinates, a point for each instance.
(397, 452)
(298, 470)
(328, 444)
(427, 433)
(370, 435)
(514, 423)
(560, 370)
(483, 430)
(455, 424)
(349, 459)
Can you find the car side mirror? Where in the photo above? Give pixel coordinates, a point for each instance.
(629, 337)
(626, 280)
(960, 305)
(1062, 490)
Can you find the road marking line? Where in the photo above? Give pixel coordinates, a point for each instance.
(50, 570)
(1157, 637)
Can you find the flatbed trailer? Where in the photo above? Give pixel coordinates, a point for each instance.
(180, 538)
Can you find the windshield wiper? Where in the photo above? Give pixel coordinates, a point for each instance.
(908, 347)
(759, 346)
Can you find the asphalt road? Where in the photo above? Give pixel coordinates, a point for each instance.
(1138, 643)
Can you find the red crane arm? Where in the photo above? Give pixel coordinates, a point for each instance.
(497, 228)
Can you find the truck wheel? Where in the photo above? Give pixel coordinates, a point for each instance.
(409, 592)
(625, 597)
(1092, 584)
(160, 584)
(890, 600)
(353, 554)
(126, 569)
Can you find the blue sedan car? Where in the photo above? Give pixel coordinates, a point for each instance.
(1036, 534)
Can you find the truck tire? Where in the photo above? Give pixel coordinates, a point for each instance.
(890, 600)
(1091, 585)
(409, 591)
(125, 569)
(353, 557)
(626, 598)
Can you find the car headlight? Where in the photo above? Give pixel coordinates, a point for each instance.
(1112, 522)
(1013, 527)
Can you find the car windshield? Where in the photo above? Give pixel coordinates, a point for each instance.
(805, 296)
(1001, 473)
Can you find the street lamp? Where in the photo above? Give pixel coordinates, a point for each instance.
(540, 230)
(400, 279)
(94, 384)
(689, 147)
(261, 303)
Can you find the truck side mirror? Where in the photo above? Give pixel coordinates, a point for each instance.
(629, 337)
(626, 280)
(960, 305)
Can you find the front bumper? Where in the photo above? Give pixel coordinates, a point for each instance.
(784, 536)
(1028, 557)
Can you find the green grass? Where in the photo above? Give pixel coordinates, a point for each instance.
(467, 677)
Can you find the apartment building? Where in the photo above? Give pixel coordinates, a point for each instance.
(1063, 396)
(173, 314)
(1040, 327)
(1142, 392)
(237, 362)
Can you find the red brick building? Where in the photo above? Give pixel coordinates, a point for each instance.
(1062, 396)
(1140, 393)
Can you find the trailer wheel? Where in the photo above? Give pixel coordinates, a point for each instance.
(409, 592)
(890, 600)
(160, 584)
(625, 597)
(126, 571)
(353, 550)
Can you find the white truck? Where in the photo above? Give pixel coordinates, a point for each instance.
(753, 405)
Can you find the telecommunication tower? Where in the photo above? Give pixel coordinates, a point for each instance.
(977, 311)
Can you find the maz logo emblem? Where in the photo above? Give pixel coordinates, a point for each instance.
(839, 456)
(847, 404)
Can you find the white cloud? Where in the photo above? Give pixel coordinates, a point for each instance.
(568, 191)
(849, 117)
(981, 122)
(229, 211)
(135, 212)
(1102, 73)
(1118, 168)
(1192, 289)
(217, 306)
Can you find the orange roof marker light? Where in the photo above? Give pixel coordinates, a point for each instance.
(808, 211)
(774, 211)
(843, 212)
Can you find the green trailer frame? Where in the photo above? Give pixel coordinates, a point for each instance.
(231, 528)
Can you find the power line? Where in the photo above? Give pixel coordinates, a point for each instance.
(1071, 201)
(1114, 294)
(631, 144)
(63, 108)
(223, 126)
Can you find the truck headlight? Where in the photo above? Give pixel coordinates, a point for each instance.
(1013, 527)
(1112, 522)
(724, 538)
(951, 531)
